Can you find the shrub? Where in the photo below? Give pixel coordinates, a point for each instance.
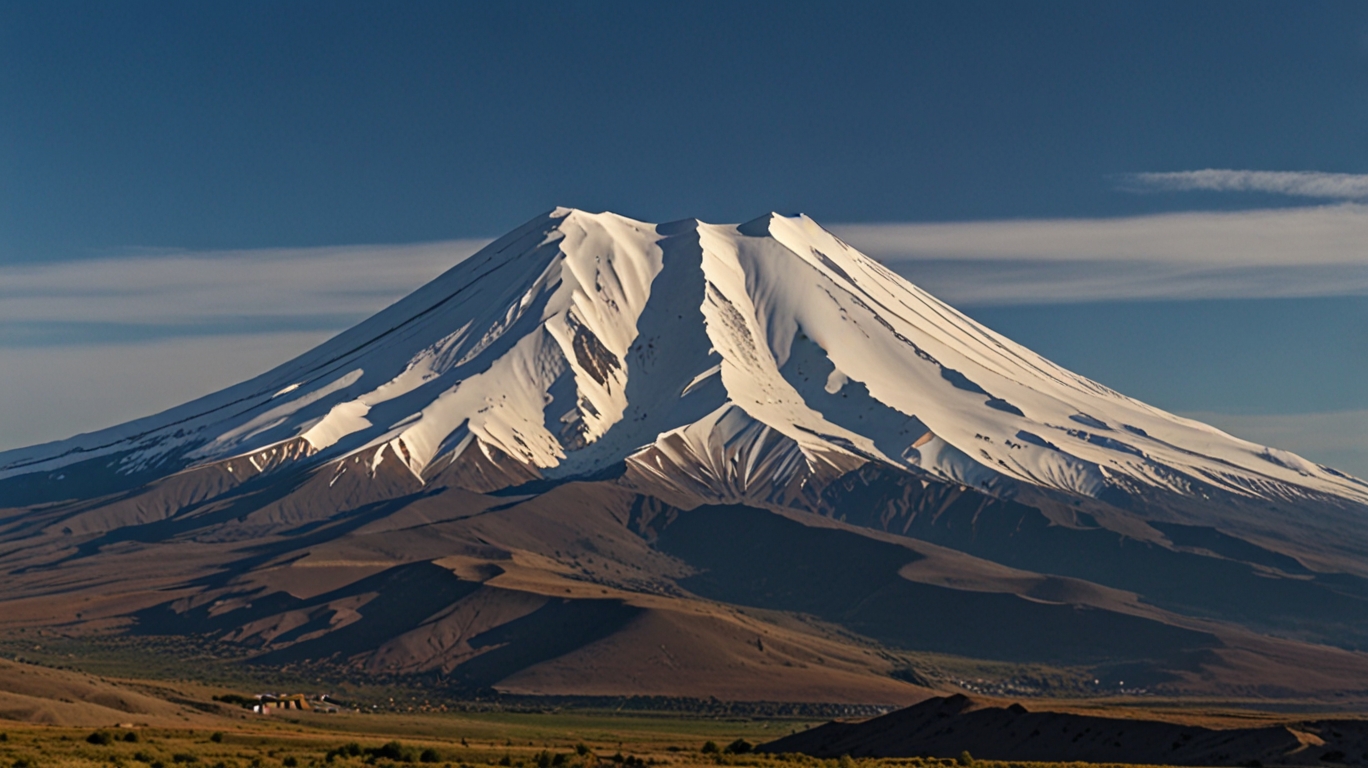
(581, 749)
(184, 757)
(101, 737)
(429, 755)
(965, 758)
(4, 737)
(710, 748)
(290, 761)
(505, 760)
(25, 762)
(739, 747)
(216, 737)
(143, 757)
(350, 749)
(395, 751)
(131, 737)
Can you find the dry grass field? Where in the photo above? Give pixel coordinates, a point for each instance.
(148, 702)
(522, 740)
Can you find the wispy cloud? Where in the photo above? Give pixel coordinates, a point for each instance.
(144, 297)
(1331, 186)
(89, 344)
(54, 392)
(1298, 252)
(1334, 439)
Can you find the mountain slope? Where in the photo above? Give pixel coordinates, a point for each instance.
(597, 428)
(549, 347)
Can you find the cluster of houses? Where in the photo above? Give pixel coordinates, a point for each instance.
(274, 702)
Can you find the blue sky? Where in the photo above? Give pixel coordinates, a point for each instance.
(190, 192)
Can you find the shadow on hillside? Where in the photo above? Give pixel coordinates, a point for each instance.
(753, 557)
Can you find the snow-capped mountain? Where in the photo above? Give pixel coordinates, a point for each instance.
(721, 360)
(564, 464)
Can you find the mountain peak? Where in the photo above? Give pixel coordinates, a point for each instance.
(737, 359)
(578, 431)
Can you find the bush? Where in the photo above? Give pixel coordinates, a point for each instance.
(965, 758)
(102, 738)
(132, 737)
(350, 749)
(25, 762)
(290, 761)
(184, 757)
(710, 748)
(216, 737)
(4, 737)
(143, 757)
(739, 747)
(395, 751)
(429, 755)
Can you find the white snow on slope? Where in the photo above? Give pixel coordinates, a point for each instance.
(741, 356)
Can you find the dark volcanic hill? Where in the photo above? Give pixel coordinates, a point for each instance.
(604, 457)
(946, 727)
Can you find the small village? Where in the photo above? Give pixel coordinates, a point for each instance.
(267, 703)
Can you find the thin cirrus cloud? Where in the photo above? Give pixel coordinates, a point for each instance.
(137, 298)
(1267, 253)
(144, 297)
(92, 343)
(1330, 186)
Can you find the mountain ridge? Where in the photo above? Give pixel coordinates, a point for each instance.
(707, 460)
(598, 270)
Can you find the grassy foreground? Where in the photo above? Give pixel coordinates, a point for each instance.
(519, 740)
